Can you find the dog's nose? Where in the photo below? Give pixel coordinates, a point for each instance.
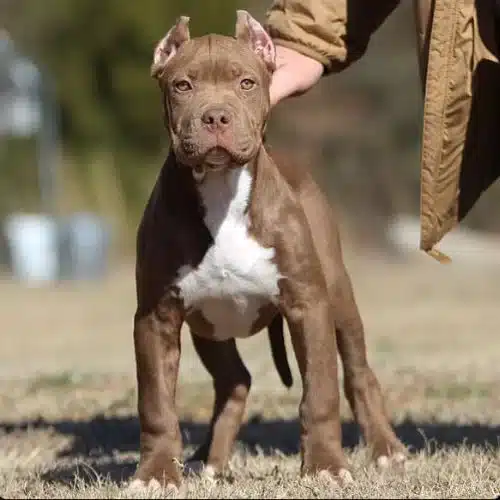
(216, 118)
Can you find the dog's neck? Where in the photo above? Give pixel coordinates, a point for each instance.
(220, 192)
(225, 195)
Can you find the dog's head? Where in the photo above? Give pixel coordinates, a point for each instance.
(216, 92)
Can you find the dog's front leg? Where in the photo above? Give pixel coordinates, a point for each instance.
(310, 320)
(157, 352)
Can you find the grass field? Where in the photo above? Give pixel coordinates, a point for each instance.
(68, 425)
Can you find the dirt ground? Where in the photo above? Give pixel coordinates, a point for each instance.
(68, 426)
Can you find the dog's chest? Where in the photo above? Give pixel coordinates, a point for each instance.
(237, 275)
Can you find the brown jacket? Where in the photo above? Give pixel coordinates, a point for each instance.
(459, 61)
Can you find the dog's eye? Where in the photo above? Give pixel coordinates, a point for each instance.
(247, 84)
(183, 86)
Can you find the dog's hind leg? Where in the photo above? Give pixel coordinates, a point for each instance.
(232, 384)
(360, 383)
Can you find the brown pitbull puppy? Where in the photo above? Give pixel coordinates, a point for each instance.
(233, 241)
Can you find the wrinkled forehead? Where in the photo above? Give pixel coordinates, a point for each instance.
(215, 58)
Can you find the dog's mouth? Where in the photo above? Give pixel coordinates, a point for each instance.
(214, 160)
(217, 157)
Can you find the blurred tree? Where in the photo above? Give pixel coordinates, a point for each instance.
(99, 54)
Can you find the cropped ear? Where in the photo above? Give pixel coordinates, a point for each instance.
(169, 45)
(250, 31)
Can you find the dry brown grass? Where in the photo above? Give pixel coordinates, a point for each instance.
(68, 424)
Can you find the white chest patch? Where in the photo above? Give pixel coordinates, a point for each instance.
(237, 275)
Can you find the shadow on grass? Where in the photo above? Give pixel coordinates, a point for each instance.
(96, 442)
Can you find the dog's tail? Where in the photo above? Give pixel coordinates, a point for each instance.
(278, 350)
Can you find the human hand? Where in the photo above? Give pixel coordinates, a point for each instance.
(295, 74)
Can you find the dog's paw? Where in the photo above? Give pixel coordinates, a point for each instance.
(342, 479)
(138, 487)
(396, 460)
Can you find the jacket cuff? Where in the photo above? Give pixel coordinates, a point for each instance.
(306, 51)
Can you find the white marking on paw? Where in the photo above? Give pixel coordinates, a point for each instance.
(383, 462)
(326, 477)
(345, 477)
(138, 486)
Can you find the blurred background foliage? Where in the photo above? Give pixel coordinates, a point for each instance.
(99, 52)
(359, 130)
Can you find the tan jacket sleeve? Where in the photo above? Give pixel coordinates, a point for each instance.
(334, 32)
